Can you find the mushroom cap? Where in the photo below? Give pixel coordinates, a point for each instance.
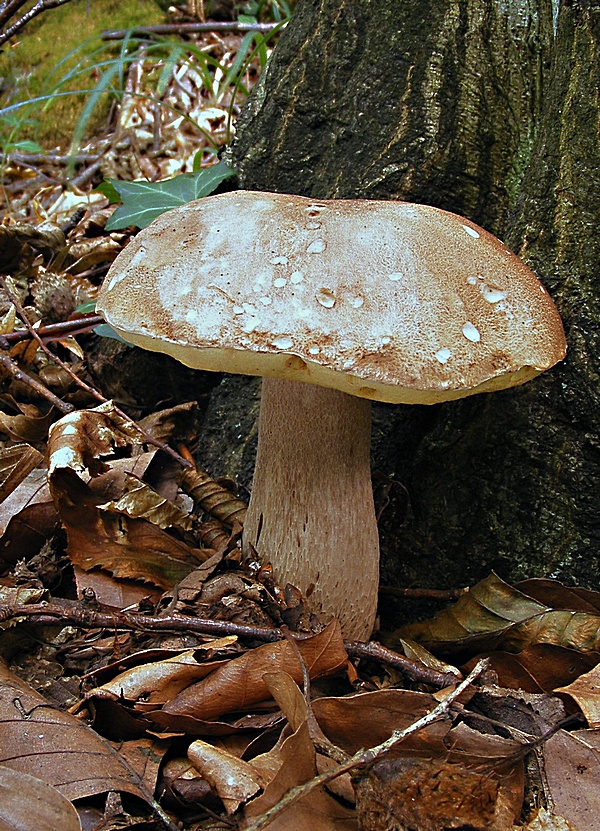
(390, 301)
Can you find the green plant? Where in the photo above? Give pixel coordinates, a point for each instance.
(142, 202)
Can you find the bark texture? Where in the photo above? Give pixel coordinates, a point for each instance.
(488, 108)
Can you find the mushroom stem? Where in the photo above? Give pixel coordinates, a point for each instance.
(311, 512)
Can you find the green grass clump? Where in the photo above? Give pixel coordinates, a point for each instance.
(62, 43)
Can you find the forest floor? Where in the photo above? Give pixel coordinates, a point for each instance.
(152, 676)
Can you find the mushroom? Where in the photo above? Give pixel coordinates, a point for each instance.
(335, 303)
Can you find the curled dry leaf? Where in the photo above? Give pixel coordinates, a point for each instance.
(27, 802)
(234, 780)
(585, 690)
(157, 682)
(293, 762)
(240, 683)
(493, 614)
(113, 535)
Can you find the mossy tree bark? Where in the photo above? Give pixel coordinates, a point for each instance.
(488, 108)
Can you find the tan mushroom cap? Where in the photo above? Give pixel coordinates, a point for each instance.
(385, 300)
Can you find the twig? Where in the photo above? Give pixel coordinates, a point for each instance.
(416, 672)
(19, 375)
(45, 158)
(58, 331)
(427, 594)
(364, 758)
(34, 11)
(190, 29)
(45, 614)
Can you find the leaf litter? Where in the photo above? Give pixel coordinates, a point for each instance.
(147, 662)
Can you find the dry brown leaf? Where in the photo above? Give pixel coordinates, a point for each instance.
(540, 668)
(129, 548)
(16, 463)
(232, 779)
(555, 595)
(585, 690)
(572, 767)
(56, 747)
(26, 428)
(27, 532)
(140, 501)
(112, 591)
(293, 762)
(27, 802)
(494, 614)
(240, 683)
(160, 681)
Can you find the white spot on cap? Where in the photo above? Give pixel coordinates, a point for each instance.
(283, 342)
(316, 247)
(396, 275)
(266, 301)
(326, 298)
(357, 302)
(238, 310)
(279, 282)
(315, 207)
(471, 231)
(250, 325)
(542, 289)
(386, 339)
(472, 281)
(279, 260)
(443, 355)
(471, 332)
(296, 277)
(314, 350)
(492, 295)
(313, 226)
(250, 309)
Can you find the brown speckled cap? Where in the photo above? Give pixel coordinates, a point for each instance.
(385, 300)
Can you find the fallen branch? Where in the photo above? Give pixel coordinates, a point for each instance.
(68, 611)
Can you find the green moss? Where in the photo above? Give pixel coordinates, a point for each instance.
(70, 33)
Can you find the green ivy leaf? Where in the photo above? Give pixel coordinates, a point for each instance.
(144, 201)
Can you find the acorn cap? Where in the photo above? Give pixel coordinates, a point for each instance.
(389, 301)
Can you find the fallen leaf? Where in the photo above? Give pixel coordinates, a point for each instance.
(572, 767)
(494, 614)
(232, 779)
(585, 690)
(240, 684)
(27, 802)
(56, 747)
(16, 462)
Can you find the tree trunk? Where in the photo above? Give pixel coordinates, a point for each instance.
(490, 109)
